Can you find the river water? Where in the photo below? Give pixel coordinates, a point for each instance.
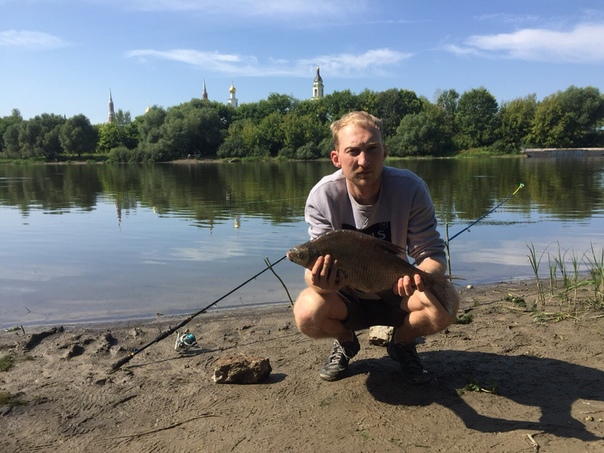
(82, 243)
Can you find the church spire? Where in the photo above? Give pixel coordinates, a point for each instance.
(204, 94)
(111, 115)
(317, 86)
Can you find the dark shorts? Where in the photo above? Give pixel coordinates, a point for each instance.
(364, 313)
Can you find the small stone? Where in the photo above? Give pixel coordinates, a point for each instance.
(241, 369)
(470, 287)
(136, 332)
(380, 335)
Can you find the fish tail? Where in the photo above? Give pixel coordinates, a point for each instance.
(443, 291)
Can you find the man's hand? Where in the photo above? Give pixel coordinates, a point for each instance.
(325, 275)
(406, 285)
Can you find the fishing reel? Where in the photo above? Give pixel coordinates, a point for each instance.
(184, 341)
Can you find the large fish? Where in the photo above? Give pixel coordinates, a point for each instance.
(369, 264)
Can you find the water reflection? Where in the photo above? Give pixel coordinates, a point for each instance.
(90, 242)
(207, 193)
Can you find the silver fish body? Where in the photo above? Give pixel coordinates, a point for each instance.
(369, 264)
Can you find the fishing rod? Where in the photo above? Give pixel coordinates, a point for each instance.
(520, 186)
(269, 266)
(170, 331)
(489, 212)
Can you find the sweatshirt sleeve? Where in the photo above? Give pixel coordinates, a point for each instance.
(316, 220)
(423, 238)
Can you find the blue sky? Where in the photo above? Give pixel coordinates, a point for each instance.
(64, 56)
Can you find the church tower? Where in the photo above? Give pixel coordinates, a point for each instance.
(317, 86)
(111, 115)
(204, 94)
(232, 99)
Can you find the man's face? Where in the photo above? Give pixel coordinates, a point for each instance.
(360, 155)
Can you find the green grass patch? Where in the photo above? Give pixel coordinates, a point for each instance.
(6, 399)
(465, 319)
(575, 284)
(474, 386)
(6, 362)
(365, 435)
(516, 300)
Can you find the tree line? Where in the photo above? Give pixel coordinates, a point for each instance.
(285, 127)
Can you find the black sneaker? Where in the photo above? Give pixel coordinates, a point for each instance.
(411, 365)
(337, 363)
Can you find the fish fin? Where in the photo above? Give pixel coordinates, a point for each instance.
(443, 291)
(391, 248)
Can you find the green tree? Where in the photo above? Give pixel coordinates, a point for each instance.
(77, 135)
(421, 134)
(369, 101)
(316, 108)
(189, 130)
(12, 148)
(515, 119)
(149, 125)
(476, 119)
(552, 127)
(447, 101)
(241, 140)
(110, 135)
(586, 106)
(122, 118)
(15, 118)
(270, 133)
(303, 135)
(394, 105)
(39, 136)
(340, 103)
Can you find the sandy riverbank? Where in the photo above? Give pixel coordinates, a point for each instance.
(548, 381)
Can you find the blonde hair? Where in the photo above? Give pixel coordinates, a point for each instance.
(358, 118)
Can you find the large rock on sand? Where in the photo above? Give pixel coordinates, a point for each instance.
(241, 369)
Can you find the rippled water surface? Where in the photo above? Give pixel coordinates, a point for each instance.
(100, 242)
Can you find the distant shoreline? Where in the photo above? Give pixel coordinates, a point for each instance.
(563, 152)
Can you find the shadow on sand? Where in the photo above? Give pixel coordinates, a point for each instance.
(551, 385)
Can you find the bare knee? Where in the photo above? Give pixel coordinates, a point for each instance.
(318, 316)
(305, 312)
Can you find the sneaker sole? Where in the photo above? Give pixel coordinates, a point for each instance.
(331, 378)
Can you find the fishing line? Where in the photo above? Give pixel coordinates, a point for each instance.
(489, 212)
(520, 186)
(170, 331)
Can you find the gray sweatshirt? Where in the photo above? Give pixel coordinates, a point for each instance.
(404, 213)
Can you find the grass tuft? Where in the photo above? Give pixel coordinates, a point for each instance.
(575, 281)
(6, 362)
(6, 399)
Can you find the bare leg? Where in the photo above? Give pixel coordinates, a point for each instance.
(426, 316)
(321, 315)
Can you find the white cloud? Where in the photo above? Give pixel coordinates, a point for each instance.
(351, 65)
(214, 61)
(30, 40)
(374, 62)
(583, 44)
